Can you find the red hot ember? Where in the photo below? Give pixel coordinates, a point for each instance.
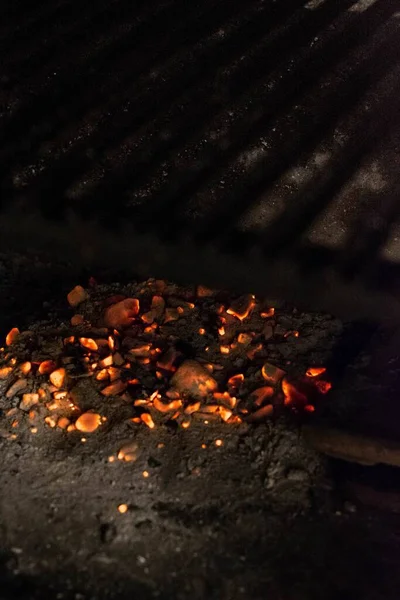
(165, 354)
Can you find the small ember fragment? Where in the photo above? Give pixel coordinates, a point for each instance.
(123, 508)
(12, 336)
(261, 394)
(46, 367)
(114, 388)
(203, 291)
(88, 422)
(293, 396)
(323, 386)
(242, 307)
(88, 343)
(272, 373)
(28, 400)
(121, 314)
(58, 377)
(194, 380)
(77, 296)
(164, 408)
(129, 452)
(315, 371)
(5, 372)
(147, 420)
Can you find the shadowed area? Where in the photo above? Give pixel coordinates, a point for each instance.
(251, 146)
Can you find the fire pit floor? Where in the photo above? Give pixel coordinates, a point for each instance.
(204, 524)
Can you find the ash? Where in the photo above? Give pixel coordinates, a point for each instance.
(217, 510)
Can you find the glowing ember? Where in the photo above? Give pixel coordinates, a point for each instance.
(114, 388)
(102, 375)
(147, 420)
(88, 343)
(192, 408)
(146, 474)
(167, 360)
(121, 314)
(323, 386)
(5, 372)
(266, 314)
(164, 408)
(171, 314)
(25, 368)
(242, 307)
(315, 371)
(88, 422)
(156, 311)
(244, 338)
(193, 379)
(106, 362)
(12, 336)
(140, 351)
(272, 373)
(262, 394)
(123, 508)
(63, 422)
(292, 395)
(225, 413)
(225, 398)
(236, 380)
(77, 296)
(28, 400)
(202, 331)
(129, 452)
(58, 377)
(224, 349)
(221, 331)
(77, 320)
(46, 367)
(219, 443)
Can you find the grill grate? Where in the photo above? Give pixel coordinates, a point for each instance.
(247, 145)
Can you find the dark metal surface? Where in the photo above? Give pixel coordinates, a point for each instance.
(253, 146)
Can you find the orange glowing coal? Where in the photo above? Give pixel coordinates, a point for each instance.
(77, 296)
(266, 314)
(121, 314)
(271, 373)
(12, 336)
(88, 422)
(88, 343)
(323, 386)
(114, 388)
(46, 367)
(164, 408)
(242, 307)
(147, 420)
(236, 380)
(315, 371)
(225, 398)
(260, 395)
(292, 395)
(58, 377)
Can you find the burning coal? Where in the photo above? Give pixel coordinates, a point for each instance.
(132, 348)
